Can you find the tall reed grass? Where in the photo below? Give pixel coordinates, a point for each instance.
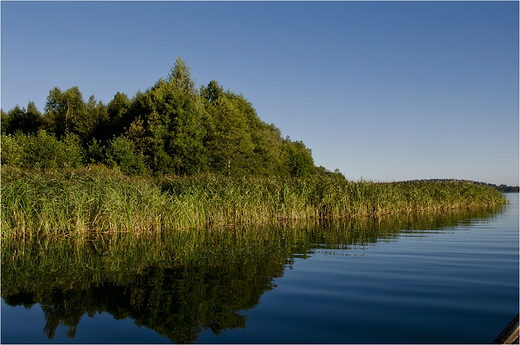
(82, 202)
(121, 258)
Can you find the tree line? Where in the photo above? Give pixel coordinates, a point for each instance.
(502, 187)
(171, 128)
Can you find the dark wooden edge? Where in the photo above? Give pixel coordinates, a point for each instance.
(510, 334)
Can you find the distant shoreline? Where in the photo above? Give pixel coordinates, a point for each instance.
(502, 187)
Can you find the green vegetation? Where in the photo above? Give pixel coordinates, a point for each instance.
(96, 198)
(183, 282)
(174, 157)
(78, 202)
(502, 188)
(171, 128)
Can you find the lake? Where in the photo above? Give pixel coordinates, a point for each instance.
(450, 277)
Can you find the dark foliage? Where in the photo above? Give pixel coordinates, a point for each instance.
(171, 128)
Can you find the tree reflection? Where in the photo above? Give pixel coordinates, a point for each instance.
(183, 282)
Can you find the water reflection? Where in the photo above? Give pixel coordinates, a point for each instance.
(181, 283)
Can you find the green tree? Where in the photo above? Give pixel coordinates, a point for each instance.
(137, 133)
(180, 77)
(92, 122)
(297, 158)
(119, 116)
(172, 126)
(212, 92)
(186, 114)
(11, 122)
(229, 138)
(22, 120)
(63, 111)
(267, 152)
(167, 124)
(4, 121)
(149, 129)
(267, 140)
(33, 119)
(262, 153)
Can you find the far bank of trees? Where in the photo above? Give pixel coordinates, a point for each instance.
(171, 128)
(502, 188)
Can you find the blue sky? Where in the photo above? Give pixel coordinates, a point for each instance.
(380, 90)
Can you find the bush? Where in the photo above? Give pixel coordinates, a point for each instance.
(70, 153)
(43, 151)
(95, 152)
(12, 149)
(120, 154)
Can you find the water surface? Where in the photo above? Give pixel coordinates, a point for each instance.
(441, 278)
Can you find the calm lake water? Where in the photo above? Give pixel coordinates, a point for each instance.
(441, 278)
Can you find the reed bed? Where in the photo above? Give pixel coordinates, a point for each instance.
(122, 258)
(81, 202)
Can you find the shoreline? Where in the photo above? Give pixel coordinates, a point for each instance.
(83, 201)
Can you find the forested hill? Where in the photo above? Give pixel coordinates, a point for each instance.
(171, 128)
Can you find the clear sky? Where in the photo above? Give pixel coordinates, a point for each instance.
(380, 90)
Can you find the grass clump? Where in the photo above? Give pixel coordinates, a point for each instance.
(94, 200)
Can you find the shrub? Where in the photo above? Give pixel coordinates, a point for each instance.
(121, 154)
(70, 153)
(46, 151)
(95, 152)
(12, 149)
(43, 151)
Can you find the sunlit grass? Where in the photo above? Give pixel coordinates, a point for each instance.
(81, 202)
(54, 262)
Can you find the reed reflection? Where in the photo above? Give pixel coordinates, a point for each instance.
(181, 283)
